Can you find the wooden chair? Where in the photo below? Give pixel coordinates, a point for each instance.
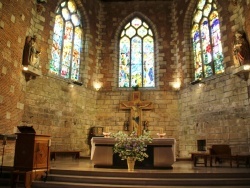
(220, 153)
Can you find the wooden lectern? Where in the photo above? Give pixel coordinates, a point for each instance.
(32, 155)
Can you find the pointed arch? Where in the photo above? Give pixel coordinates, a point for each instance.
(137, 49)
(206, 40)
(67, 41)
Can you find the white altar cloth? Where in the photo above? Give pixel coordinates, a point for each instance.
(164, 151)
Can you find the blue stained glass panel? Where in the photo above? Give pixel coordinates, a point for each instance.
(148, 62)
(136, 62)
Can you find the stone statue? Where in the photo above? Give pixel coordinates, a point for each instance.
(31, 54)
(241, 48)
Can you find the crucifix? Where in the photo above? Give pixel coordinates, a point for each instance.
(136, 106)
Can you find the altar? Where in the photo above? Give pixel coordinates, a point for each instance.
(161, 154)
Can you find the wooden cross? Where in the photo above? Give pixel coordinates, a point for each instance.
(136, 106)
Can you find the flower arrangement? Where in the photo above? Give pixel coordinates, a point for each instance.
(131, 145)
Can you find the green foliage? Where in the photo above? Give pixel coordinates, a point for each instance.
(131, 145)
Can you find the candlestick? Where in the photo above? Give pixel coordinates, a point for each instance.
(161, 130)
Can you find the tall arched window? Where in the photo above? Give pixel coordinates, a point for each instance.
(206, 38)
(136, 60)
(67, 41)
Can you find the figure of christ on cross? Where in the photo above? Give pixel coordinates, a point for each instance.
(136, 106)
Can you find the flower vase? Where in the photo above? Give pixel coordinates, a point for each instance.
(131, 163)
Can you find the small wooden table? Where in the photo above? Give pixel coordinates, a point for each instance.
(243, 159)
(203, 155)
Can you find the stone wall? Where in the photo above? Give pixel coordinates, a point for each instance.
(14, 19)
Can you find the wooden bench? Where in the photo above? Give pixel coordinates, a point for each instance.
(220, 153)
(75, 154)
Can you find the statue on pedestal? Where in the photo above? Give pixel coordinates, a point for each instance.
(241, 48)
(31, 54)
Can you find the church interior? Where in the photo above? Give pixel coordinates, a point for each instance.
(70, 69)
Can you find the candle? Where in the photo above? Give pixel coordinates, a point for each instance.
(161, 130)
(107, 129)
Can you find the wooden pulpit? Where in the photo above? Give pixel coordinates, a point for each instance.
(32, 154)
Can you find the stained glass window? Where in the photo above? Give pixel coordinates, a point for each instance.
(206, 39)
(136, 56)
(67, 41)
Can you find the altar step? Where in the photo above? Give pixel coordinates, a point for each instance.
(97, 179)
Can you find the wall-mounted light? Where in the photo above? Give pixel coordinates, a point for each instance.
(71, 85)
(97, 85)
(201, 84)
(176, 86)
